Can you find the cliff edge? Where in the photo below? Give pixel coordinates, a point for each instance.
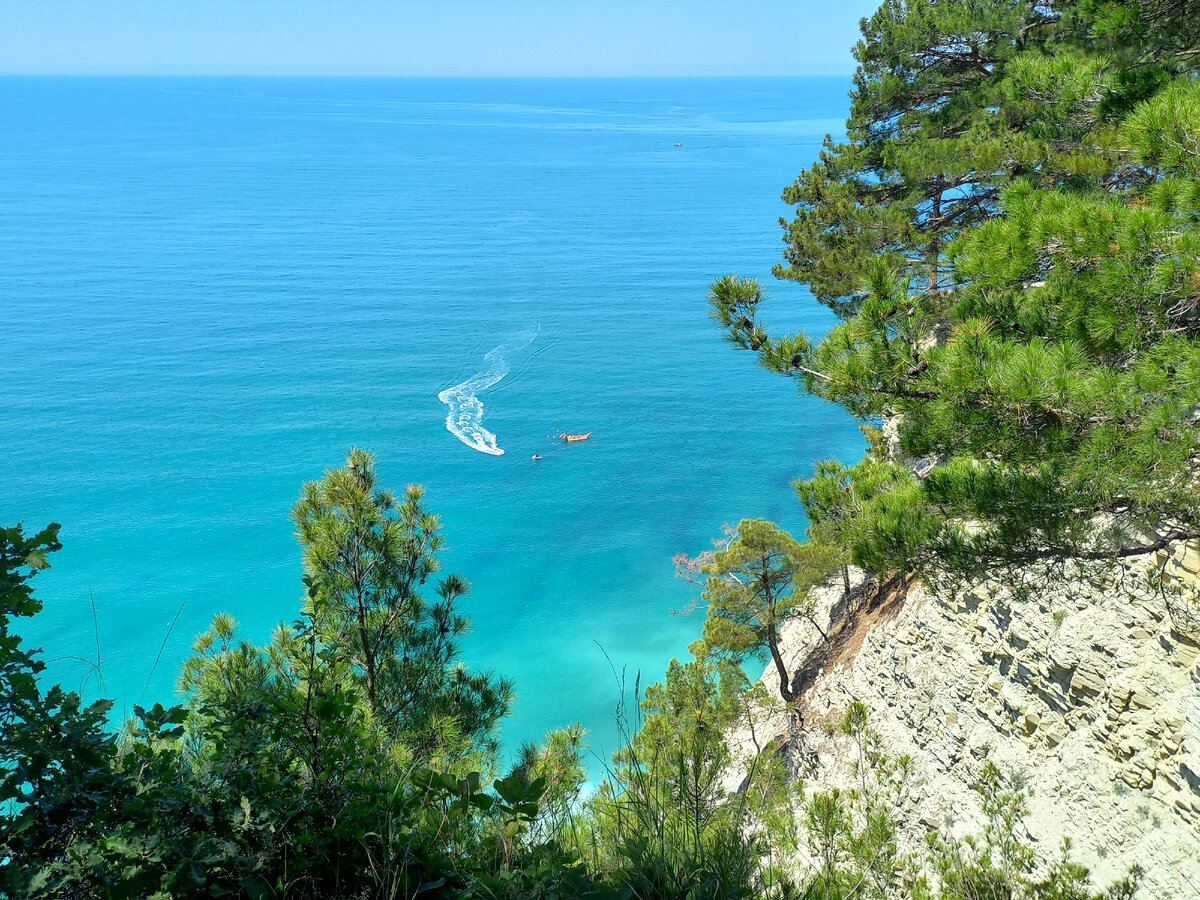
(1083, 686)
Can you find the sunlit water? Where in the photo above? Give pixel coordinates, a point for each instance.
(210, 289)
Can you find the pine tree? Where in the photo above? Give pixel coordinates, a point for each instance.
(759, 581)
(938, 124)
(367, 555)
(1047, 367)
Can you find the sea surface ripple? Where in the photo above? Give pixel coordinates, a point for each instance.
(213, 287)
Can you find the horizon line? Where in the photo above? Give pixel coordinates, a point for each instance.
(583, 77)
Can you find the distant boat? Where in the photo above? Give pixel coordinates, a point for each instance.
(679, 145)
(569, 438)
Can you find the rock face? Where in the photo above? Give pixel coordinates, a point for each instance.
(1085, 686)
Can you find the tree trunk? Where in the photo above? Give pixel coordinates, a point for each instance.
(785, 687)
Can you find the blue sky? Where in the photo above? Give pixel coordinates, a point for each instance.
(430, 37)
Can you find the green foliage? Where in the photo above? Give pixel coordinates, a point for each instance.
(758, 582)
(875, 511)
(954, 101)
(664, 823)
(851, 840)
(558, 764)
(21, 558)
(280, 776)
(54, 750)
(1165, 131)
(940, 120)
(1000, 864)
(1011, 235)
(277, 779)
(367, 555)
(1156, 36)
(851, 832)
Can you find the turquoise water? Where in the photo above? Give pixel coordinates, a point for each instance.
(211, 288)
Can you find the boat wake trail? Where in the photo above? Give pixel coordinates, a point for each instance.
(464, 419)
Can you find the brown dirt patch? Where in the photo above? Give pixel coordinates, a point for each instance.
(854, 617)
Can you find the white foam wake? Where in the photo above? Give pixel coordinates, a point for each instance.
(465, 417)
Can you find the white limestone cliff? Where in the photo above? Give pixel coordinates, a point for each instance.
(1085, 686)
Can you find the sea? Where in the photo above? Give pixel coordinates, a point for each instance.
(212, 288)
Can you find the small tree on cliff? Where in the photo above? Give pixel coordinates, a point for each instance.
(759, 581)
(368, 555)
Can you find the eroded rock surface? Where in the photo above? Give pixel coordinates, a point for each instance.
(1083, 686)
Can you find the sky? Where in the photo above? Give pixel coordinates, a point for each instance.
(430, 37)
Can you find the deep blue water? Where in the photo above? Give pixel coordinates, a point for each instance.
(211, 288)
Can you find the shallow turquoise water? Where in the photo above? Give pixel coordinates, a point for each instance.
(212, 287)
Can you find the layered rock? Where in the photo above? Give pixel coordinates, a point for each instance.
(1083, 685)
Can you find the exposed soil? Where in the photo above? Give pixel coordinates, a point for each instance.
(853, 618)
